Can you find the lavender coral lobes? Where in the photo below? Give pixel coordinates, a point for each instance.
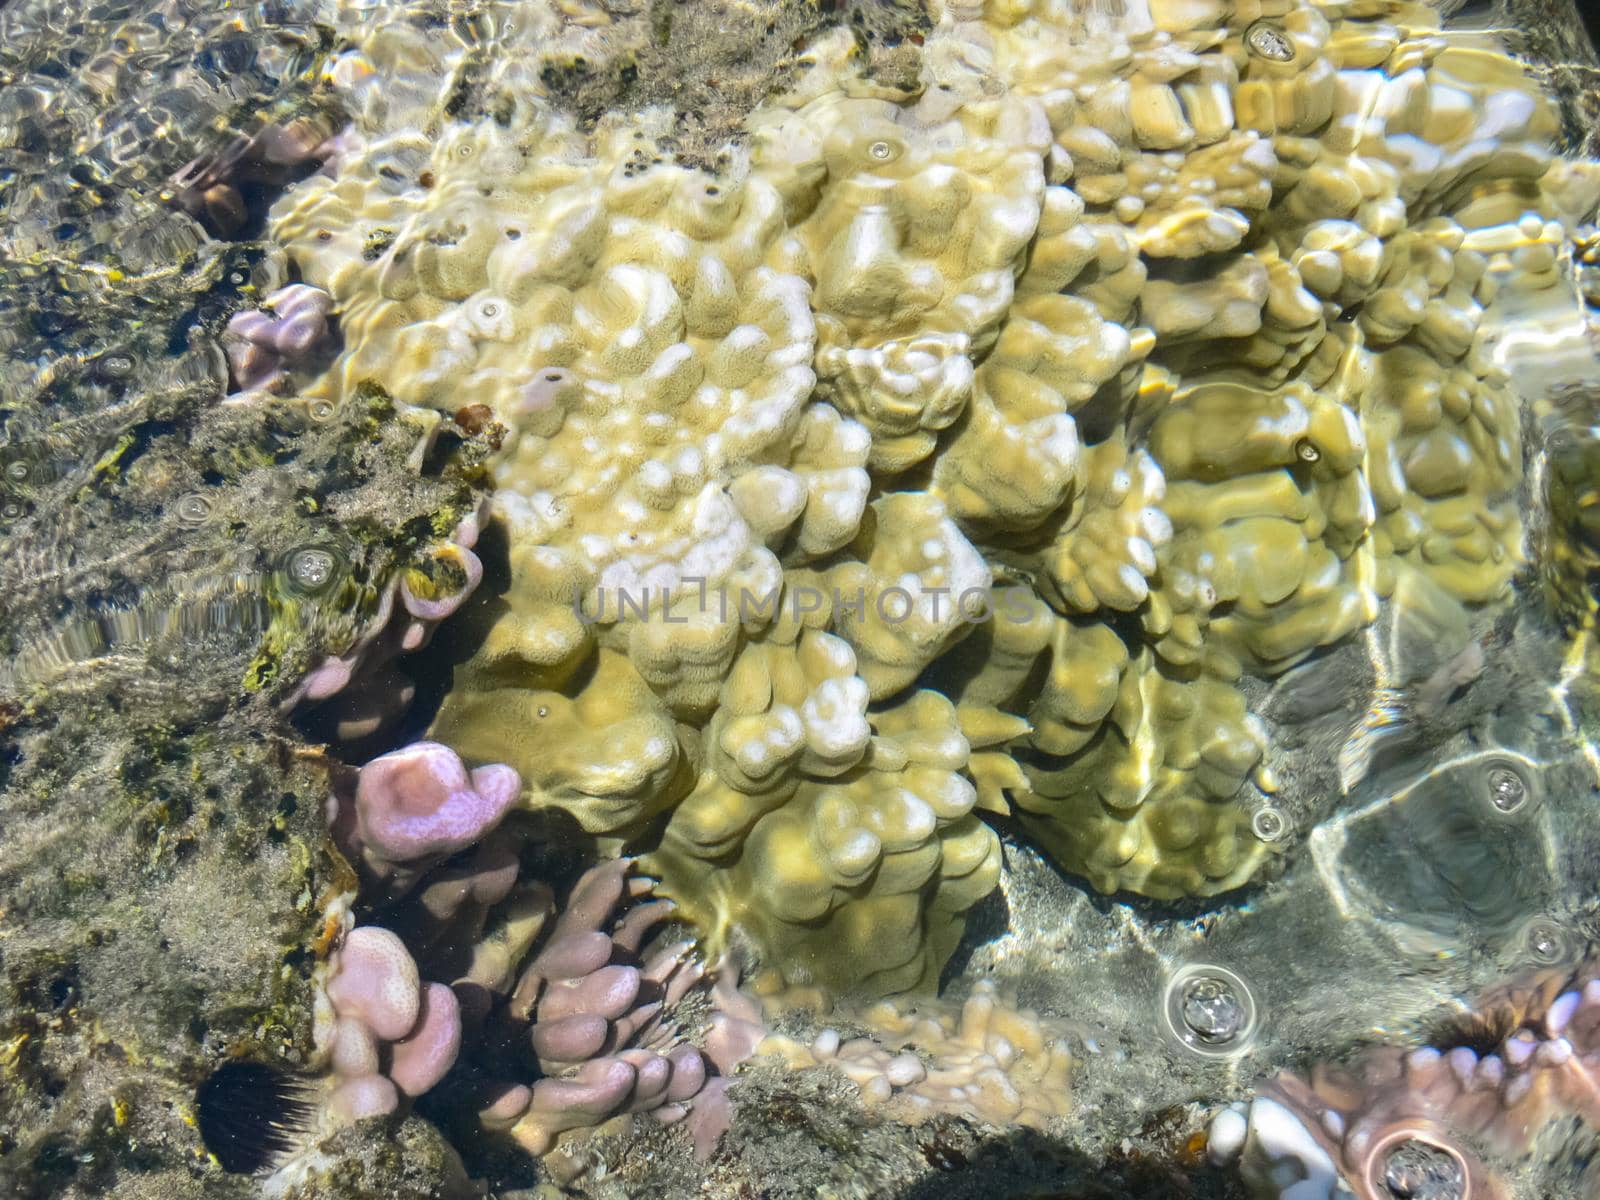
(392, 1034)
(413, 807)
(1451, 1113)
(1096, 374)
(566, 1012)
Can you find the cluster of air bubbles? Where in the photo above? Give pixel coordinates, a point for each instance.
(1210, 1010)
(1418, 1170)
(1507, 783)
(1506, 789)
(194, 508)
(1269, 824)
(311, 569)
(1266, 40)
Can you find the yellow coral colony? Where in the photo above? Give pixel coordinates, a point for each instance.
(952, 448)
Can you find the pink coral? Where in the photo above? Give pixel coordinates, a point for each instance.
(390, 1033)
(567, 1015)
(213, 187)
(416, 806)
(597, 1017)
(1397, 1116)
(291, 329)
(368, 693)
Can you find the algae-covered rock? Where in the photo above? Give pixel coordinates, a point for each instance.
(164, 855)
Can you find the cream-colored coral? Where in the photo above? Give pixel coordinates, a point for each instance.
(910, 223)
(600, 745)
(1104, 365)
(900, 603)
(843, 841)
(1004, 1065)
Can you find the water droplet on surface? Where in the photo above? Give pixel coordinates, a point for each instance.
(193, 508)
(881, 151)
(1306, 451)
(1266, 40)
(1269, 824)
(320, 410)
(312, 568)
(1418, 1170)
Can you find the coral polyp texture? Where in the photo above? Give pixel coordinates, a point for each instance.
(1447, 1117)
(1087, 374)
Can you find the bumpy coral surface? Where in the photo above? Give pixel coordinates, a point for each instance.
(1399, 1123)
(1101, 367)
(567, 1014)
(391, 1033)
(988, 1060)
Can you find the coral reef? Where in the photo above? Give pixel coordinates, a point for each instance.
(1160, 330)
(975, 430)
(568, 1012)
(988, 1060)
(290, 329)
(1399, 1122)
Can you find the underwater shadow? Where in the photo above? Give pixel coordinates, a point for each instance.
(965, 1165)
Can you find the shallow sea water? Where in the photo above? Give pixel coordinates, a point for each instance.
(1435, 898)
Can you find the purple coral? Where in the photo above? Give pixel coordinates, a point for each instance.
(416, 806)
(596, 1019)
(209, 187)
(568, 1018)
(390, 1034)
(1397, 1111)
(290, 330)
